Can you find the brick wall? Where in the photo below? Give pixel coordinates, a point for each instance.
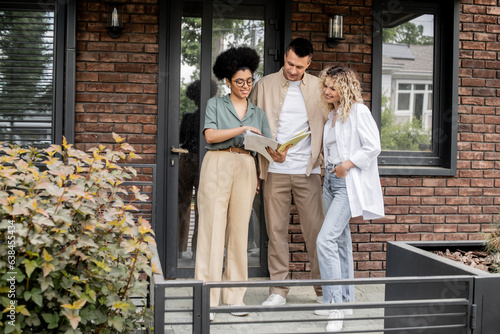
(421, 208)
(116, 79)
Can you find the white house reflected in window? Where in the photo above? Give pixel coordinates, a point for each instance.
(407, 84)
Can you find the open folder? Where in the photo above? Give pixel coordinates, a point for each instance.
(258, 143)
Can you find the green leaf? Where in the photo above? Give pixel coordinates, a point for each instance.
(116, 322)
(51, 319)
(30, 266)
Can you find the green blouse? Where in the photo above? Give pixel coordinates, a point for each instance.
(220, 114)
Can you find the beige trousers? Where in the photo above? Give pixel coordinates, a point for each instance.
(225, 195)
(307, 194)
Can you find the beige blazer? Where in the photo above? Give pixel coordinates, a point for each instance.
(269, 94)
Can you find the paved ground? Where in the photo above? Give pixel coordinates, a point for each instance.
(285, 321)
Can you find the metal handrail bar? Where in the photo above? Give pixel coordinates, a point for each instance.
(358, 281)
(310, 307)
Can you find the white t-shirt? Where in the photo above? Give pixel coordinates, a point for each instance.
(331, 145)
(293, 120)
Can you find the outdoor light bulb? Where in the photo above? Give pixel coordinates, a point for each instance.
(335, 27)
(114, 18)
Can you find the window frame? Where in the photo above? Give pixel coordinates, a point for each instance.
(442, 160)
(63, 95)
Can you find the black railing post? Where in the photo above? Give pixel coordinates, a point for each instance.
(197, 307)
(205, 309)
(159, 309)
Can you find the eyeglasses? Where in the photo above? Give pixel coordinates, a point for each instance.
(241, 82)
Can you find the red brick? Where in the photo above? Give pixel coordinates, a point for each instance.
(473, 45)
(112, 98)
(397, 228)
(433, 200)
(416, 210)
(456, 219)
(359, 256)
(404, 182)
(421, 228)
(371, 247)
(421, 191)
(150, 129)
(482, 165)
(493, 10)
(470, 192)
(470, 210)
(100, 67)
(485, 19)
(473, 9)
(470, 156)
(433, 219)
(489, 55)
(446, 209)
(112, 118)
(396, 191)
(445, 228)
(457, 201)
(143, 38)
(408, 237)
(434, 182)
(456, 236)
(136, 68)
(482, 128)
(483, 147)
(407, 219)
(371, 228)
(372, 265)
(407, 200)
(432, 236)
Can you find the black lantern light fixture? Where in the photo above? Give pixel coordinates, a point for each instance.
(335, 30)
(115, 19)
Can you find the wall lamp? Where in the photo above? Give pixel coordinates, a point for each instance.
(115, 19)
(335, 30)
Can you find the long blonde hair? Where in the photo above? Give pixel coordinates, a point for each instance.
(346, 83)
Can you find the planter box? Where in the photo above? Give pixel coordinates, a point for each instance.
(416, 259)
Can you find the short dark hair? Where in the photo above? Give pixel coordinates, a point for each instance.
(234, 59)
(301, 47)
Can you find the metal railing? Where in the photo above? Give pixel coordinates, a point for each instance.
(182, 306)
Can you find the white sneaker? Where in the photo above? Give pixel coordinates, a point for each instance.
(336, 322)
(238, 314)
(319, 299)
(212, 316)
(274, 300)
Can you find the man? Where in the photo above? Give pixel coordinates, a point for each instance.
(292, 101)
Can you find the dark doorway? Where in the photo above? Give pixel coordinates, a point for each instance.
(192, 34)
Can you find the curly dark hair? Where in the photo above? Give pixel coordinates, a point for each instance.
(234, 59)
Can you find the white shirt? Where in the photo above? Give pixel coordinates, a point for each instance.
(331, 145)
(358, 140)
(292, 121)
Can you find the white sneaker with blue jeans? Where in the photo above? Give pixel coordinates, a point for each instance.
(335, 324)
(334, 246)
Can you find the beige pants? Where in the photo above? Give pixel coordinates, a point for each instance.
(307, 194)
(225, 195)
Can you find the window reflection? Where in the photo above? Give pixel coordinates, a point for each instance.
(407, 77)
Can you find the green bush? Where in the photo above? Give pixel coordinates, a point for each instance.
(74, 253)
(406, 136)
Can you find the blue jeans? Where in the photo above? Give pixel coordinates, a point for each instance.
(334, 244)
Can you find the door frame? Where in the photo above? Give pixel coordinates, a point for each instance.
(169, 73)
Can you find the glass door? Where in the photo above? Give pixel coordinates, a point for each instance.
(204, 30)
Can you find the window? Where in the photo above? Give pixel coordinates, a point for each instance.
(30, 99)
(415, 102)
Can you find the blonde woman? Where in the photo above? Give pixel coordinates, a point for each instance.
(351, 144)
